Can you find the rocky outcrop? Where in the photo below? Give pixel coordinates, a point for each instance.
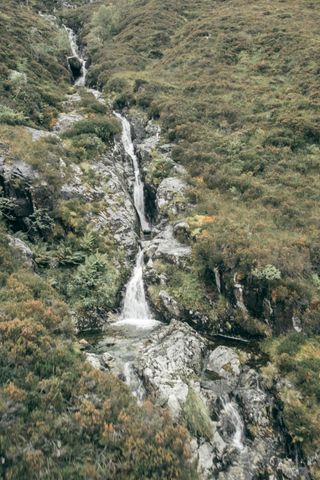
(16, 185)
(173, 357)
(240, 439)
(166, 248)
(22, 250)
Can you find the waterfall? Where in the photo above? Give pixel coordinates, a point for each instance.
(135, 310)
(138, 192)
(81, 81)
(232, 418)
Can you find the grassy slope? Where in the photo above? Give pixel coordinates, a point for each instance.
(235, 85)
(59, 418)
(33, 70)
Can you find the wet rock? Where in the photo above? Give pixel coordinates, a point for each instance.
(75, 66)
(256, 404)
(138, 129)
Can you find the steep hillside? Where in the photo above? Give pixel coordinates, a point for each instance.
(60, 417)
(234, 86)
(221, 104)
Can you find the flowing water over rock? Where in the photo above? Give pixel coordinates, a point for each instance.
(173, 364)
(231, 417)
(136, 311)
(138, 192)
(80, 81)
(123, 339)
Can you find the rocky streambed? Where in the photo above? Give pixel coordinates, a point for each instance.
(214, 388)
(153, 342)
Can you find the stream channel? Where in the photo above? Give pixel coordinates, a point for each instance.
(124, 341)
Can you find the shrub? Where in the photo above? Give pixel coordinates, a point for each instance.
(269, 273)
(95, 285)
(103, 128)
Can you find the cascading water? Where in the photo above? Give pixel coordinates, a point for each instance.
(231, 417)
(81, 81)
(135, 310)
(138, 191)
(136, 320)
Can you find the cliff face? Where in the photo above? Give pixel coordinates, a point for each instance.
(221, 254)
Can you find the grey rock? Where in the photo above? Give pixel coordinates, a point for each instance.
(205, 461)
(16, 178)
(256, 404)
(288, 470)
(84, 345)
(67, 120)
(38, 134)
(225, 363)
(23, 251)
(107, 359)
(171, 196)
(165, 247)
(94, 361)
(75, 65)
(170, 305)
(173, 355)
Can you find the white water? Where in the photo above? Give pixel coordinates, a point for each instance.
(232, 415)
(81, 81)
(135, 310)
(138, 193)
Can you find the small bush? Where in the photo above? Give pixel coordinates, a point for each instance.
(103, 128)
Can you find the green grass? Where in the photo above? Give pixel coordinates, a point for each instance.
(59, 417)
(234, 86)
(33, 74)
(196, 416)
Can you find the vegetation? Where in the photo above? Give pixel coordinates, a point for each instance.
(296, 358)
(59, 417)
(34, 72)
(196, 416)
(234, 86)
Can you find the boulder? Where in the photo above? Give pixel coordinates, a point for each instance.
(75, 65)
(23, 251)
(170, 361)
(166, 248)
(15, 180)
(171, 196)
(94, 361)
(225, 362)
(66, 120)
